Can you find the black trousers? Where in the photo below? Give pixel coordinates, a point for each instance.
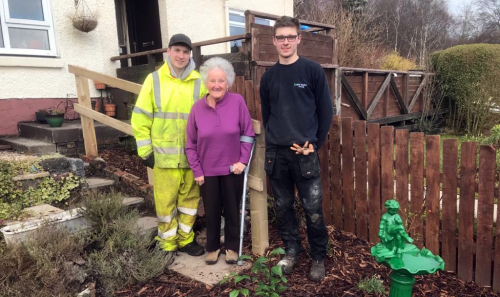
(222, 193)
(286, 169)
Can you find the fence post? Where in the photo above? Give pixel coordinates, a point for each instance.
(450, 182)
(89, 138)
(360, 179)
(374, 179)
(348, 174)
(432, 194)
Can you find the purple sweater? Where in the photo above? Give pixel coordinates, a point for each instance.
(213, 135)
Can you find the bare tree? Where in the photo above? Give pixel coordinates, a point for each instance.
(489, 12)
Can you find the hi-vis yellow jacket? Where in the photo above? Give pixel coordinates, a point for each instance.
(161, 112)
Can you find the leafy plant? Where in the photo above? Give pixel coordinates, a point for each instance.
(268, 281)
(53, 111)
(371, 285)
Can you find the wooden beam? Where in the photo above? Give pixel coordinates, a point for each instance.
(269, 64)
(275, 17)
(399, 118)
(354, 98)
(365, 90)
(398, 96)
(88, 129)
(102, 118)
(379, 95)
(106, 79)
(256, 127)
(417, 93)
(255, 183)
(350, 69)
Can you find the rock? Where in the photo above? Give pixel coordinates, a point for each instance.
(75, 272)
(98, 163)
(57, 165)
(85, 293)
(77, 166)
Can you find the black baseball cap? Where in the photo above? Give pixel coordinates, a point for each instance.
(180, 39)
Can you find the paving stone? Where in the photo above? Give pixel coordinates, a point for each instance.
(147, 224)
(97, 182)
(36, 212)
(30, 176)
(132, 201)
(29, 146)
(196, 268)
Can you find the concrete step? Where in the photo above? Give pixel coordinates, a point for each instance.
(29, 146)
(70, 131)
(97, 182)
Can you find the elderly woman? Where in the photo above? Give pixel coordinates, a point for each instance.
(219, 135)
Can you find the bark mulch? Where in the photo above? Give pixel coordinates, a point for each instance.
(348, 262)
(126, 161)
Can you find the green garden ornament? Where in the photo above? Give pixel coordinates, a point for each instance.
(396, 252)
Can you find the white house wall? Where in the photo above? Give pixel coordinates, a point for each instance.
(25, 77)
(207, 19)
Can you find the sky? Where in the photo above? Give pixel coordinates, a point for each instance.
(455, 5)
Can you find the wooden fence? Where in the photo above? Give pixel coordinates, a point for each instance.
(363, 165)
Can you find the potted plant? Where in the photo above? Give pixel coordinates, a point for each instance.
(55, 117)
(110, 107)
(40, 116)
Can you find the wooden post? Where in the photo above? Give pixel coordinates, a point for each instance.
(197, 56)
(338, 90)
(152, 63)
(365, 90)
(450, 181)
(258, 199)
(373, 132)
(432, 182)
(348, 174)
(89, 138)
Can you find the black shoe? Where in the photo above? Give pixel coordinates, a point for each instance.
(193, 249)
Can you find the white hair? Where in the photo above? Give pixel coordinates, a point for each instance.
(218, 63)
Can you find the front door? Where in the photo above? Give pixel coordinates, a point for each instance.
(143, 18)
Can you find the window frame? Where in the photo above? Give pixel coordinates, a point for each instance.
(240, 24)
(47, 25)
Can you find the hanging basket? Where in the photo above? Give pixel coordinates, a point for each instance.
(83, 19)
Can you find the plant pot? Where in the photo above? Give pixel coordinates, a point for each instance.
(40, 117)
(55, 120)
(110, 109)
(99, 85)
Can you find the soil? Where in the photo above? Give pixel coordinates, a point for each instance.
(348, 262)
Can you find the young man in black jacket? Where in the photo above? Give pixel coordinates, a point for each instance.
(297, 112)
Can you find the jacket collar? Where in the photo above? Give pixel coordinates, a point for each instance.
(187, 71)
(221, 102)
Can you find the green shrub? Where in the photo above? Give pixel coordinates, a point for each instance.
(468, 75)
(371, 285)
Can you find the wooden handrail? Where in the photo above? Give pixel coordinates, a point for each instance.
(350, 69)
(275, 17)
(195, 44)
(106, 79)
(102, 118)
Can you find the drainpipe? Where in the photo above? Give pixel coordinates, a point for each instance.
(226, 17)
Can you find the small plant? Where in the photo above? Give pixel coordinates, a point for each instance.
(53, 111)
(371, 285)
(268, 280)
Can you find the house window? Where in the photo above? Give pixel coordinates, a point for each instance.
(237, 26)
(26, 28)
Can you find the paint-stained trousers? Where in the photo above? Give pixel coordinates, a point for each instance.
(286, 169)
(176, 202)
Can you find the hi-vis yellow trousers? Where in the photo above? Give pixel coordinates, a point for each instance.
(176, 201)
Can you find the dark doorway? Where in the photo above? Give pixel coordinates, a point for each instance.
(143, 19)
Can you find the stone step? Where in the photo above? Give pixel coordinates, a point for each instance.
(70, 131)
(97, 182)
(147, 224)
(29, 146)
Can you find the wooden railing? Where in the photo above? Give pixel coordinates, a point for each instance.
(256, 177)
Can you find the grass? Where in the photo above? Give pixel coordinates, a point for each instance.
(371, 285)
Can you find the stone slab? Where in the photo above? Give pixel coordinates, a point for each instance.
(29, 146)
(36, 212)
(132, 201)
(196, 268)
(30, 176)
(97, 182)
(146, 224)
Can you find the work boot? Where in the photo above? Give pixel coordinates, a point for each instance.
(287, 264)
(231, 257)
(317, 272)
(192, 249)
(212, 257)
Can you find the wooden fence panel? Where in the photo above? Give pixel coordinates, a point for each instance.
(336, 172)
(466, 210)
(449, 238)
(402, 167)
(416, 226)
(325, 182)
(387, 163)
(496, 265)
(360, 175)
(250, 98)
(432, 194)
(348, 174)
(239, 81)
(374, 180)
(484, 241)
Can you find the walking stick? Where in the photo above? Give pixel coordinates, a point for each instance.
(243, 201)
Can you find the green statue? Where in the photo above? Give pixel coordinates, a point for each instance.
(396, 252)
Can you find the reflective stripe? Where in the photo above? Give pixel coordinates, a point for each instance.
(196, 91)
(156, 88)
(141, 143)
(170, 233)
(171, 115)
(246, 139)
(169, 150)
(185, 228)
(167, 219)
(188, 211)
(142, 111)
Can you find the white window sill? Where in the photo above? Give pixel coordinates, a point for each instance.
(31, 62)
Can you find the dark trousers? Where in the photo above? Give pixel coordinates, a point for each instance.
(286, 169)
(222, 193)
